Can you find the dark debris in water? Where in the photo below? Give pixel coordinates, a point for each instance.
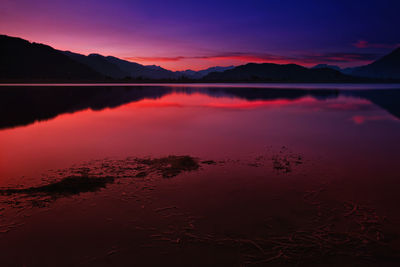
(95, 175)
(363, 237)
(209, 162)
(82, 180)
(284, 161)
(170, 166)
(71, 185)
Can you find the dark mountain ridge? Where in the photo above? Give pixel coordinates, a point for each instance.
(23, 61)
(324, 66)
(269, 72)
(135, 70)
(387, 67)
(98, 63)
(116, 68)
(202, 73)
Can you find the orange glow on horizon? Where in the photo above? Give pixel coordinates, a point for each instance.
(83, 44)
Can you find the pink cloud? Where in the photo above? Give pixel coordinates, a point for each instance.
(366, 44)
(358, 119)
(306, 59)
(155, 59)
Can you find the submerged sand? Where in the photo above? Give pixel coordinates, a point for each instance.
(279, 208)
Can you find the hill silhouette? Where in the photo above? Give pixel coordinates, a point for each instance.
(323, 66)
(269, 72)
(120, 69)
(201, 73)
(99, 64)
(388, 67)
(135, 70)
(25, 61)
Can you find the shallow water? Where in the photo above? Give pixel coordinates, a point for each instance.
(274, 163)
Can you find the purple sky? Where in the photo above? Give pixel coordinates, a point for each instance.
(197, 34)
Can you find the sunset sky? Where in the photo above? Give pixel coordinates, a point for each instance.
(179, 35)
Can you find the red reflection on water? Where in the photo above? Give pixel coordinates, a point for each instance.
(194, 124)
(200, 100)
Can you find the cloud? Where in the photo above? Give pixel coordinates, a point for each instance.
(359, 119)
(366, 44)
(337, 57)
(155, 59)
(302, 59)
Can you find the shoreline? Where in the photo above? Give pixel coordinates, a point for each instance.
(232, 85)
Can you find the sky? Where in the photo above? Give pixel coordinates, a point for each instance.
(180, 35)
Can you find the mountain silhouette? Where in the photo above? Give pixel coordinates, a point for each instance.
(119, 69)
(326, 66)
(388, 67)
(25, 61)
(135, 70)
(269, 72)
(99, 64)
(201, 73)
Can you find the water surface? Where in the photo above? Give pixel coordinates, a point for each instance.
(274, 160)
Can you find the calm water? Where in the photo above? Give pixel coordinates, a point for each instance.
(53, 127)
(272, 145)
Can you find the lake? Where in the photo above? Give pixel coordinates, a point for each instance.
(200, 174)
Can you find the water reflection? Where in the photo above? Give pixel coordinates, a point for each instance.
(25, 105)
(294, 170)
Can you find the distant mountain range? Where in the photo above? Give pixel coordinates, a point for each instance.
(202, 73)
(324, 66)
(23, 61)
(268, 72)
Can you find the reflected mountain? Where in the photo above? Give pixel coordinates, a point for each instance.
(25, 105)
(388, 100)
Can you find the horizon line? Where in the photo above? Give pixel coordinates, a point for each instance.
(306, 60)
